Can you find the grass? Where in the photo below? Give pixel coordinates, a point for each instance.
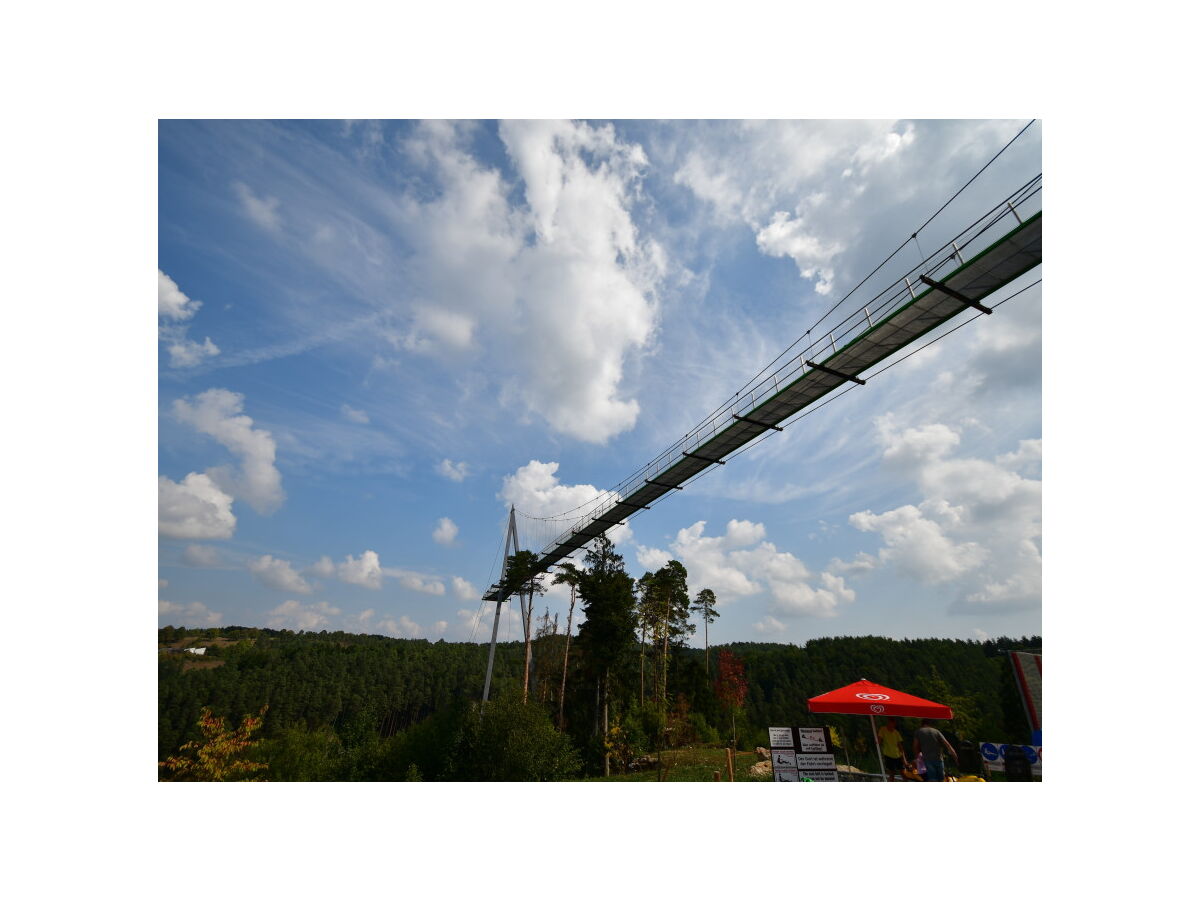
(694, 764)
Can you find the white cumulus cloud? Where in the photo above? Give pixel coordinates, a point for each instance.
(978, 526)
(278, 574)
(446, 532)
(218, 413)
(415, 581)
(918, 546)
(195, 614)
(185, 354)
(363, 571)
(741, 563)
(194, 509)
(769, 625)
(323, 567)
(402, 627)
(463, 589)
(547, 281)
(172, 302)
(434, 329)
(535, 490)
(297, 616)
(787, 236)
(176, 308)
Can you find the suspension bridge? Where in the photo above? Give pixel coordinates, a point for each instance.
(954, 279)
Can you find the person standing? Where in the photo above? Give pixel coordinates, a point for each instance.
(928, 741)
(891, 742)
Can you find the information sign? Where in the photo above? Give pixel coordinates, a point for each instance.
(802, 753)
(814, 740)
(781, 737)
(783, 759)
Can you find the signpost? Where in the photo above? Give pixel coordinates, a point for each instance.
(802, 754)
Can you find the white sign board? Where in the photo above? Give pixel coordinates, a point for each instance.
(781, 737)
(812, 740)
(802, 754)
(816, 761)
(783, 759)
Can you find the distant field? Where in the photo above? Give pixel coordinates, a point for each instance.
(191, 662)
(197, 642)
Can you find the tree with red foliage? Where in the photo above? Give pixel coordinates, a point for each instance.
(731, 686)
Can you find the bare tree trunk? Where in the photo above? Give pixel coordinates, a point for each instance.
(666, 650)
(562, 691)
(606, 723)
(642, 668)
(706, 648)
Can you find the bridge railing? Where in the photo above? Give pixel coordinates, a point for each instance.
(999, 220)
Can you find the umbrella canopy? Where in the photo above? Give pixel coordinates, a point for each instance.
(866, 698)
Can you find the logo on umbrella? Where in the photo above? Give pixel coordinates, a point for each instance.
(877, 707)
(873, 696)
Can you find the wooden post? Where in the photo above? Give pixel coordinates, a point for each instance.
(729, 760)
(716, 774)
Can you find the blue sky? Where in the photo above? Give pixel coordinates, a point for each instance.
(374, 336)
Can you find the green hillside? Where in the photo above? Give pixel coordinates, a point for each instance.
(365, 707)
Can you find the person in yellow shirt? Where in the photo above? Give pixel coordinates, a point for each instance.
(891, 742)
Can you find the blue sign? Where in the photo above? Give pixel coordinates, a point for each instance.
(993, 754)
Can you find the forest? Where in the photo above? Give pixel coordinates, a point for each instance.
(564, 703)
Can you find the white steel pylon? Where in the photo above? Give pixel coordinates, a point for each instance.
(512, 546)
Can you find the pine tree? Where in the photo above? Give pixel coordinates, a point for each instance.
(705, 601)
(606, 594)
(668, 602)
(523, 577)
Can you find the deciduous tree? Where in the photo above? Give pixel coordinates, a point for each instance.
(219, 755)
(731, 686)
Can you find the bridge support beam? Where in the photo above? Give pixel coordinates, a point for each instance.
(750, 421)
(829, 371)
(951, 292)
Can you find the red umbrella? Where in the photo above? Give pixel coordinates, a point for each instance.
(866, 698)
